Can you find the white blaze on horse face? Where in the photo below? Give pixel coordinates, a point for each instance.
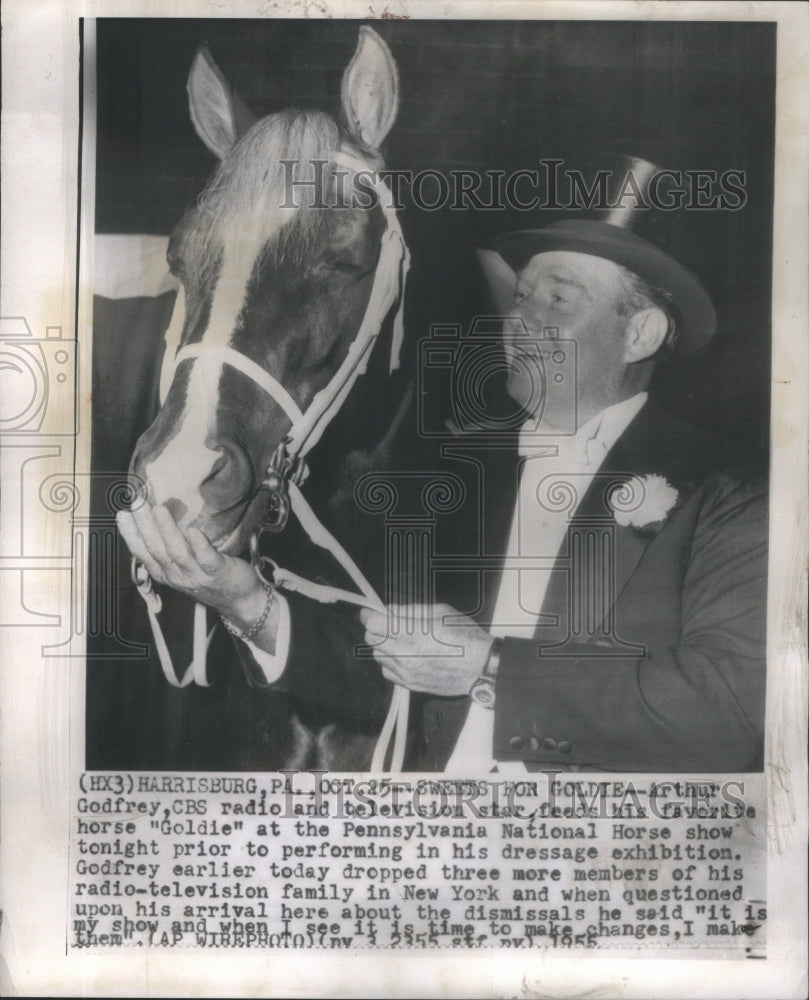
(186, 461)
(179, 469)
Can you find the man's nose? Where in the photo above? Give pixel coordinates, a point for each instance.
(526, 305)
(528, 322)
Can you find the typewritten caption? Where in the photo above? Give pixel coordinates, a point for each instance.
(314, 860)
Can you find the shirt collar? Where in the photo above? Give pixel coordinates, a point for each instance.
(597, 436)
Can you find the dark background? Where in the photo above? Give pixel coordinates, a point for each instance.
(485, 95)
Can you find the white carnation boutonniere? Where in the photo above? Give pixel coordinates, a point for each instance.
(642, 500)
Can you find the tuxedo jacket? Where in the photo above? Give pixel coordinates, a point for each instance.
(649, 653)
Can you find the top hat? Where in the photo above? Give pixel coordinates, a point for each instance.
(630, 220)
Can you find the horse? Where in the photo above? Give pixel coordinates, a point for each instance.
(287, 270)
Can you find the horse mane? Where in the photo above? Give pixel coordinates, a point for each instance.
(250, 188)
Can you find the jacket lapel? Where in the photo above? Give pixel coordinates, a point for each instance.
(653, 444)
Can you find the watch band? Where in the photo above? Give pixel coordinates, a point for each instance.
(483, 691)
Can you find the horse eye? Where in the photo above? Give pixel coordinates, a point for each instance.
(325, 361)
(344, 266)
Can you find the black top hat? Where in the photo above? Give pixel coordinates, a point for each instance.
(630, 220)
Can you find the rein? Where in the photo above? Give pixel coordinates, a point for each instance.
(287, 468)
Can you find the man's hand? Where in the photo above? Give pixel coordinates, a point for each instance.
(189, 563)
(418, 649)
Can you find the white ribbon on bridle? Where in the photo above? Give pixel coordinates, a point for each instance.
(305, 431)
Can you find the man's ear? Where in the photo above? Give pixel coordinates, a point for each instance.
(645, 333)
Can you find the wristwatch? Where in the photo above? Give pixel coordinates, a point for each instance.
(483, 690)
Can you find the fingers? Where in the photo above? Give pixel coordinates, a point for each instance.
(154, 538)
(422, 610)
(137, 546)
(150, 534)
(389, 671)
(394, 621)
(375, 623)
(205, 554)
(173, 540)
(402, 620)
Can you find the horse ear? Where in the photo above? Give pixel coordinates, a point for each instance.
(218, 113)
(370, 91)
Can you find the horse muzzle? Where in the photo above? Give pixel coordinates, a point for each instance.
(213, 488)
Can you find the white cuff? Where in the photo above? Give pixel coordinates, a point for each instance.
(274, 664)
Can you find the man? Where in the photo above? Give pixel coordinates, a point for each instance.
(642, 647)
(625, 630)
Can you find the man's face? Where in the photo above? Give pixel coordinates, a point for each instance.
(570, 296)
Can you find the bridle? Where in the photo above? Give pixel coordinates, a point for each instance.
(287, 468)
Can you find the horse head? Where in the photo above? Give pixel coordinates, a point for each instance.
(278, 260)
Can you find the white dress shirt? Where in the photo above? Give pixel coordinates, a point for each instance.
(537, 532)
(273, 664)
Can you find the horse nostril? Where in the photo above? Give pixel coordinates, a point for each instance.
(219, 466)
(230, 478)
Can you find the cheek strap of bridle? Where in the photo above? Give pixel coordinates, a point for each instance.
(304, 433)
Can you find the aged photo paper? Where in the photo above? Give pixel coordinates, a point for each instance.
(404, 467)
